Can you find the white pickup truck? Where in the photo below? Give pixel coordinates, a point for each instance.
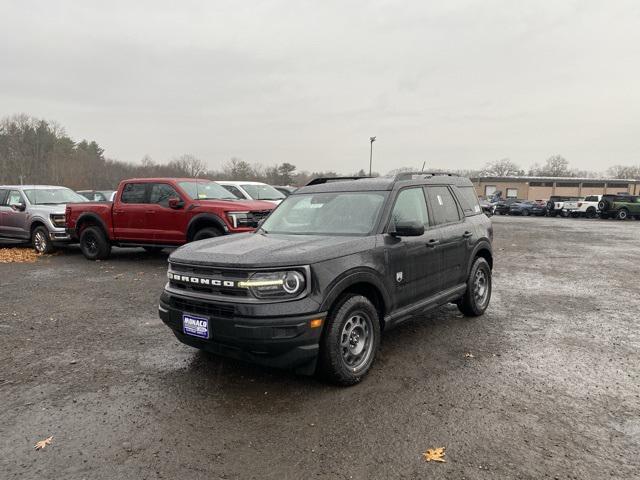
(582, 208)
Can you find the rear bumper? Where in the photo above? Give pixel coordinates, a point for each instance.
(280, 342)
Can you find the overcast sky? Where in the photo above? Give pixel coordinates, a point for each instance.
(452, 83)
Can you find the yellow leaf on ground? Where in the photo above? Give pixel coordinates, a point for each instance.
(17, 255)
(43, 443)
(434, 455)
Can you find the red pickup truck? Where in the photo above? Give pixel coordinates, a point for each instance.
(155, 213)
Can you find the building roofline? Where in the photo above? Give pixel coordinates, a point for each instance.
(551, 179)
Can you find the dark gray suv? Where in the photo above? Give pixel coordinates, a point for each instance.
(338, 262)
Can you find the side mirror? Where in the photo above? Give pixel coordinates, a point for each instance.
(407, 229)
(175, 203)
(21, 207)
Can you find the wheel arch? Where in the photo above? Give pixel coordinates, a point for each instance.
(483, 249)
(204, 220)
(91, 219)
(363, 282)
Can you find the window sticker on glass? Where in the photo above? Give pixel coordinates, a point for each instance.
(440, 200)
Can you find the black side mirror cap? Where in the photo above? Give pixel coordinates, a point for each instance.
(175, 203)
(21, 207)
(407, 229)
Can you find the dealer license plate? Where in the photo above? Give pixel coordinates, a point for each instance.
(195, 326)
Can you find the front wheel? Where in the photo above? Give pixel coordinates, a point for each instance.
(591, 212)
(94, 244)
(351, 340)
(623, 214)
(206, 233)
(41, 241)
(478, 293)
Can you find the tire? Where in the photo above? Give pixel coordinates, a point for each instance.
(550, 205)
(94, 244)
(564, 213)
(209, 232)
(525, 213)
(604, 216)
(575, 214)
(478, 293)
(623, 214)
(153, 249)
(41, 241)
(591, 212)
(603, 205)
(350, 340)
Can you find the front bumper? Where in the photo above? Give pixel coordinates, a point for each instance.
(59, 235)
(281, 342)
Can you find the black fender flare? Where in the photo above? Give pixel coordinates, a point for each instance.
(208, 217)
(483, 244)
(351, 277)
(93, 218)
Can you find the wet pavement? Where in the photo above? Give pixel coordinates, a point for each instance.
(545, 385)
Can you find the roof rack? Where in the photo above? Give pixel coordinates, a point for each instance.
(321, 180)
(412, 175)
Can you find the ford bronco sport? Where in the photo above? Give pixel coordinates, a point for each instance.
(338, 262)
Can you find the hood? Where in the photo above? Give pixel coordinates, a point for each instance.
(48, 209)
(250, 250)
(239, 205)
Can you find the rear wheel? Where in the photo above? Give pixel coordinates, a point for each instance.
(350, 341)
(525, 213)
(41, 241)
(209, 232)
(478, 294)
(94, 244)
(575, 214)
(591, 212)
(623, 214)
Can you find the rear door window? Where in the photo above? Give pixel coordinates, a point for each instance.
(134, 193)
(468, 200)
(443, 206)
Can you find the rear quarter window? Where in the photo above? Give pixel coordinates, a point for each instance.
(468, 200)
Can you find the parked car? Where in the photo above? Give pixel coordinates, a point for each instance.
(527, 207)
(621, 207)
(502, 207)
(587, 207)
(555, 204)
(36, 213)
(285, 190)
(254, 191)
(335, 264)
(98, 195)
(154, 213)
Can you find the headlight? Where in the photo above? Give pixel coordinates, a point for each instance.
(275, 284)
(58, 219)
(240, 219)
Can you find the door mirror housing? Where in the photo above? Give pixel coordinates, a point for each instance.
(21, 207)
(175, 203)
(406, 229)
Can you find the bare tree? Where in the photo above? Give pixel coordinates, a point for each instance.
(189, 164)
(624, 171)
(502, 168)
(555, 166)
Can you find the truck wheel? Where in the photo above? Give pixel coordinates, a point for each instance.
(623, 214)
(94, 244)
(476, 298)
(591, 212)
(41, 241)
(575, 214)
(604, 216)
(206, 233)
(350, 341)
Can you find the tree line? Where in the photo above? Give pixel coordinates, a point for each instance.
(36, 151)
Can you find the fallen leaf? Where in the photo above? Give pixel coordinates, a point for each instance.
(17, 255)
(43, 443)
(468, 355)
(434, 455)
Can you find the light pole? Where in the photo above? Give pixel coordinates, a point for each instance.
(371, 139)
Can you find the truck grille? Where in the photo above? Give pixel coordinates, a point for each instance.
(259, 215)
(207, 280)
(202, 308)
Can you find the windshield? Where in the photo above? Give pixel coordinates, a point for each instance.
(53, 196)
(206, 191)
(262, 192)
(335, 213)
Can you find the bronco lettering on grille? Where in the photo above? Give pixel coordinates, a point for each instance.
(200, 280)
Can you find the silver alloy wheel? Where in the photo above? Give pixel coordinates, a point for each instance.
(356, 341)
(480, 287)
(40, 241)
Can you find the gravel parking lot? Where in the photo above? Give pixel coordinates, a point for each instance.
(545, 385)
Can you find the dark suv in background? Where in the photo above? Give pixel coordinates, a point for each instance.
(338, 262)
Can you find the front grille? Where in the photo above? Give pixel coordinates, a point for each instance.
(259, 215)
(199, 271)
(203, 308)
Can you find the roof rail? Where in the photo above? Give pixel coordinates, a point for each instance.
(321, 180)
(412, 175)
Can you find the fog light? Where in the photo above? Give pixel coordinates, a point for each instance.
(316, 323)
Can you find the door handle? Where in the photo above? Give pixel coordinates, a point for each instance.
(432, 243)
(467, 234)
(151, 211)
